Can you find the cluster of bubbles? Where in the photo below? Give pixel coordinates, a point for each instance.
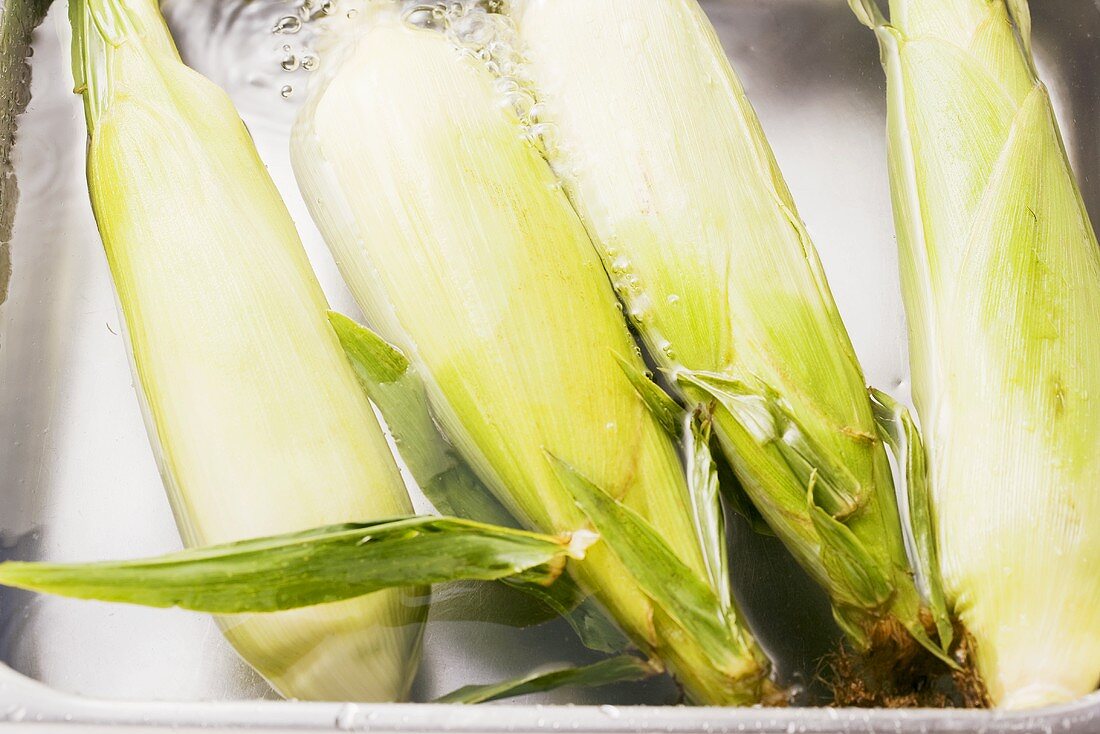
(484, 30)
(307, 12)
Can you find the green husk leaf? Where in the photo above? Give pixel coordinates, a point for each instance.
(764, 416)
(900, 433)
(622, 669)
(588, 620)
(393, 385)
(666, 410)
(856, 572)
(669, 582)
(702, 475)
(522, 604)
(446, 480)
(312, 567)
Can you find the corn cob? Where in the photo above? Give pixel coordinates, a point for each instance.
(1001, 278)
(463, 252)
(255, 414)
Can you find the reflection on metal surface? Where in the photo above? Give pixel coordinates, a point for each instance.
(17, 20)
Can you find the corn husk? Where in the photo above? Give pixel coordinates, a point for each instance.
(257, 418)
(666, 162)
(1001, 277)
(463, 252)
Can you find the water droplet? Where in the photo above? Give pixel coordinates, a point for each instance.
(345, 718)
(288, 24)
(286, 91)
(610, 426)
(521, 103)
(544, 136)
(289, 63)
(673, 298)
(609, 711)
(310, 62)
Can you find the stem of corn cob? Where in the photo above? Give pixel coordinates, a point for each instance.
(259, 425)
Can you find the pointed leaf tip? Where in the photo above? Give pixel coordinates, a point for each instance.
(663, 408)
(370, 354)
(868, 12)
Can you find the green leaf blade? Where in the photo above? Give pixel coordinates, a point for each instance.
(304, 569)
(621, 669)
(391, 383)
(668, 581)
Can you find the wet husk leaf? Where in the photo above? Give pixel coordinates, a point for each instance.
(257, 421)
(664, 159)
(621, 669)
(314, 567)
(447, 480)
(1001, 277)
(464, 253)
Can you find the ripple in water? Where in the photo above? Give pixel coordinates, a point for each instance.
(254, 49)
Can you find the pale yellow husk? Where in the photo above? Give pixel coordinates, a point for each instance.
(1001, 274)
(462, 250)
(260, 425)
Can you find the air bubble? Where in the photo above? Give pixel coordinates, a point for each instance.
(286, 91)
(288, 24)
(345, 717)
(544, 136)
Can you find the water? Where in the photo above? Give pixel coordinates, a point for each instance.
(77, 467)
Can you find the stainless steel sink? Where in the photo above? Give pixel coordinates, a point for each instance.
(78, 482)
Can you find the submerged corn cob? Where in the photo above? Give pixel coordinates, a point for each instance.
(665, 160)
(1001, 277)
(462, 251)
(258, 420)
